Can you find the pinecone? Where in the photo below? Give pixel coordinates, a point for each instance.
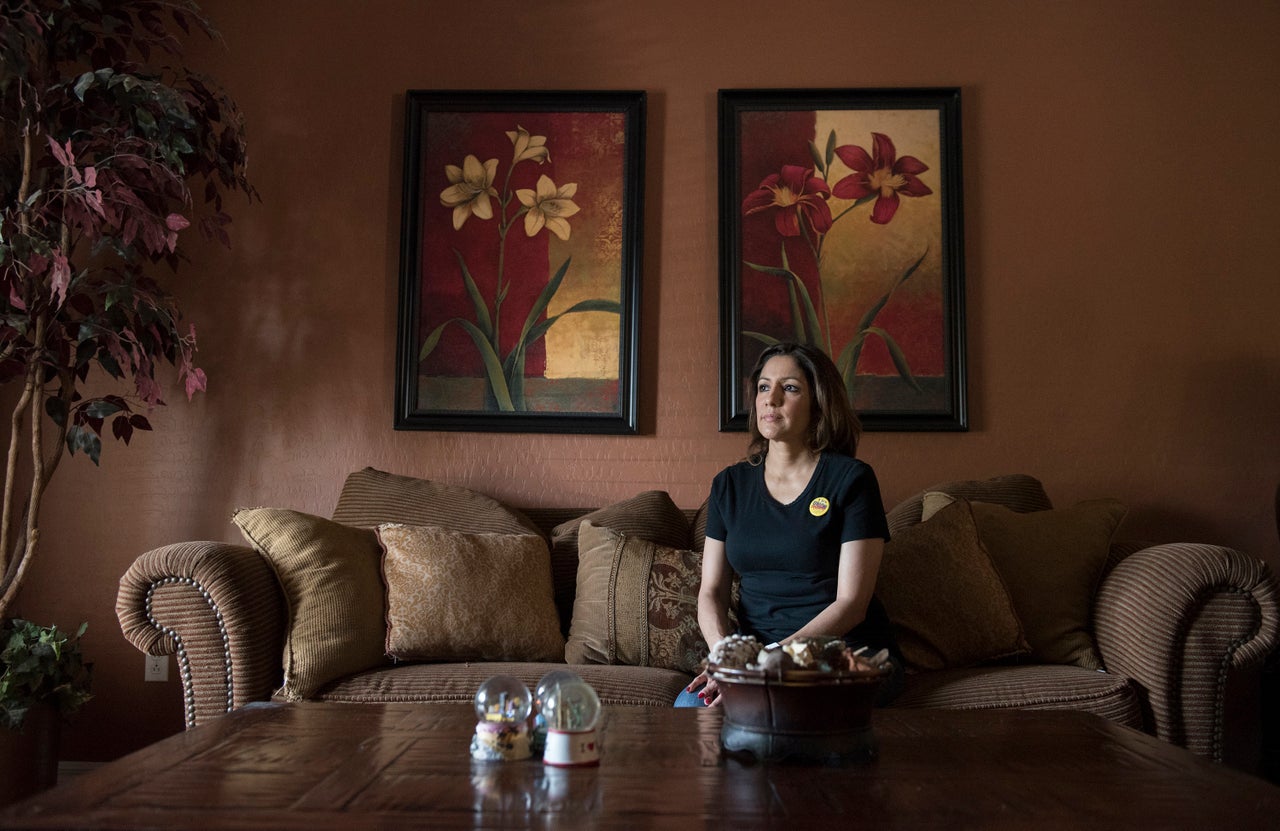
(734, 652)
(816, 653)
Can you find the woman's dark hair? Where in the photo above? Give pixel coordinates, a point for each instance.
(833, 424)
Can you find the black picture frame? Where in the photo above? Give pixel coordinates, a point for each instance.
(912, 274)
(575, 159)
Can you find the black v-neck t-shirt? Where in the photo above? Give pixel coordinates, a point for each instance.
(788, 555)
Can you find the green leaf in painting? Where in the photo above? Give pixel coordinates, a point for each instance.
(898, 356)
(769, 269)
(874, 311)
(492, 366)
(539, 307)
(767, 340)
(816, 154)
(612, 306)
(429, 345)
(477, 300)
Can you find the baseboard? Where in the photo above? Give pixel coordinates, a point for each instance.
(70, 770)
(1271, 719)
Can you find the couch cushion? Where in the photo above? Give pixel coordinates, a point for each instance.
(1038, 687)
(372, 497)
(636, 603)
(698, 526)
(455, 596)
(459, 682)
(1052, 562)
(948, 604)
(1017, 492)
(329, 573)
(651, 515)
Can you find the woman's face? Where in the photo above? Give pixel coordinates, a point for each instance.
(783, 401)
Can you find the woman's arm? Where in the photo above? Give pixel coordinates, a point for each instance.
(855, 583)
(713, 611)
(713, 592)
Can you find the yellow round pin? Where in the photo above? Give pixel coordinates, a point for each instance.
(819, 506)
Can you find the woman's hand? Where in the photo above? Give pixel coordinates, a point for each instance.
(710, 694)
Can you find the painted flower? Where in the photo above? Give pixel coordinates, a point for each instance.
(548, 207)
(881, 173)
(790, 194)
(529, 147)
(470, 187)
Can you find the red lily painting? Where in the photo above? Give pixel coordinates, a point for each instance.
(843, 240)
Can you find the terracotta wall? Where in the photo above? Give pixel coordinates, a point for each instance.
(1120, 212)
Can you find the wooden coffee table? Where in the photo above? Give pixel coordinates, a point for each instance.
(314, 766)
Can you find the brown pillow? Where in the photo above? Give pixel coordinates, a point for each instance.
(1017, 491)
(1052, 562)
(651, 515)
(947, 602)
(636, 603)
(372, 497)
(453, 596)
(698, 527)
(329, 573)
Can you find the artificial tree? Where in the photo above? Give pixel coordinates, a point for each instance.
(106, 141)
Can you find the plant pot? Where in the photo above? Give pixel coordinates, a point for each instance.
(29, 757)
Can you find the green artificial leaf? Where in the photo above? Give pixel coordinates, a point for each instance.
(145, 120)
(108, 363)
(83, 83)
(121, 428)
(56, 409)
(41, 665)
(84, 440)
(831, 147)
(102, 408)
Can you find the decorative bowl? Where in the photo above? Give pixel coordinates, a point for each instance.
(801, 716)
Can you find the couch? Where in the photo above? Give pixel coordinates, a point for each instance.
(1146, 635)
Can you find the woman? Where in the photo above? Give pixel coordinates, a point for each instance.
(800, 521)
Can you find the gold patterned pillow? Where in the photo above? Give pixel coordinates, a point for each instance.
(453, 596)
(636, 603)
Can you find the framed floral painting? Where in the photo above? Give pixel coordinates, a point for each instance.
(520, 261)
(840, 223)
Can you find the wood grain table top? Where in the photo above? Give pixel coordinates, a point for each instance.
(352, 766)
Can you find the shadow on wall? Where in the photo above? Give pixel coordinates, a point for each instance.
(1209, 429)
(1235, 433)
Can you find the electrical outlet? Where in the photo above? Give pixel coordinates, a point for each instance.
(157, 668)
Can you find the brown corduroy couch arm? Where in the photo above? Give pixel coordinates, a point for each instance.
(1177, 618)
(220, 609)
